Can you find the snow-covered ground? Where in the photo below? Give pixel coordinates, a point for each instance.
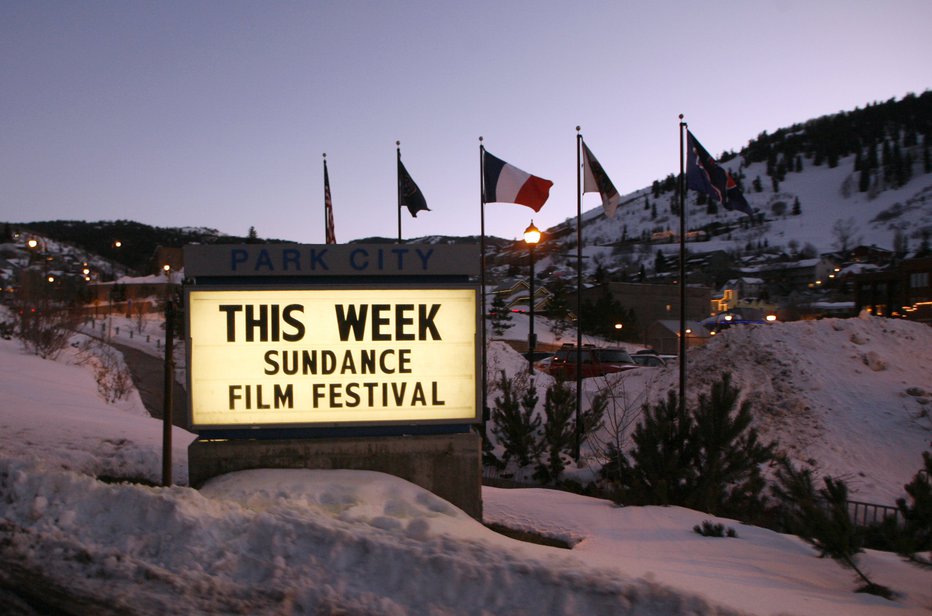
(844, 393)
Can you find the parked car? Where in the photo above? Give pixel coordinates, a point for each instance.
(595, 362)
(648, 360)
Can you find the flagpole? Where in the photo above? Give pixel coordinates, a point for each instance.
(483, 344)
(576, 445)
(397, 169)
(682, 340)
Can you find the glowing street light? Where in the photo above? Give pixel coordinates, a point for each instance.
(531, 238)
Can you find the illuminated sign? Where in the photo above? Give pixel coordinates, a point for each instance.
(332, 356)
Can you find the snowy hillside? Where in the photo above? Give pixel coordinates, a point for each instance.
(826, 195)
(832, 393)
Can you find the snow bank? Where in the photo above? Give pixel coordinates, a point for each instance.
(832, 393)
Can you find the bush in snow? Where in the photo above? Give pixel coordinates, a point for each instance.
(711, 529)
(913, 538)
(114, 381)
(708, 459)
(821, 518)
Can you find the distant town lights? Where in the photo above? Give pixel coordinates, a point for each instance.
(771, 318)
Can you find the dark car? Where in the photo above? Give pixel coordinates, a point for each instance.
(595, 362)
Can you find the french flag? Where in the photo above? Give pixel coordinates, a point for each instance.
(506, 183)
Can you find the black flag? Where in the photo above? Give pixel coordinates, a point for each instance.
(408, 192)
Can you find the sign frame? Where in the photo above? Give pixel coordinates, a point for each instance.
(386, 283)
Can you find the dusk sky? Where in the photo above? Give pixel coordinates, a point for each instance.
(217, 113)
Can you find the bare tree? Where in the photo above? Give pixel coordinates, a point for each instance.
(845, 234)
(44, 321)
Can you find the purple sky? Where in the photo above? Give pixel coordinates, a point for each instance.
(216, 114)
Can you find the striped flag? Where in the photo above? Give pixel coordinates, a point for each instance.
(505, 183)
(328, 208)
(596, 180)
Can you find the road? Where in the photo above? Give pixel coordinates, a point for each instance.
(148, 374)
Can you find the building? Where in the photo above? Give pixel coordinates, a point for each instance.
(654, 302)
(515, 291)
(902, 290)
(664, 336)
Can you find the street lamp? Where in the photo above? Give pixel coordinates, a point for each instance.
(531, 238)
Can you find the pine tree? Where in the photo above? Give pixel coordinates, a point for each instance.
(558, 307)
(864, 179)
(926, 157)
(887, 162)
(728, 454)
(660, 262)
(499, 315)
(900, 243)
(913, 537)
(821, 519)
(558, 431)
(514, 423)
(662, 457)
(872, 161)
(797, 209)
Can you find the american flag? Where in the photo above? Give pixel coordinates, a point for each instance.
(328, 208)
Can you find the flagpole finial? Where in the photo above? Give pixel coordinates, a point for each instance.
(578, 128)
(480, 138)
(398, 143)
(325, 155)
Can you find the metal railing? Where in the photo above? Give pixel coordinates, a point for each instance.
(870, 514)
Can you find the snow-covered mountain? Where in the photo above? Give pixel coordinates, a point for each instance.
(826, 196)
(858, 178)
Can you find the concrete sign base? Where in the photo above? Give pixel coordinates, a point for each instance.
(448, 465)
